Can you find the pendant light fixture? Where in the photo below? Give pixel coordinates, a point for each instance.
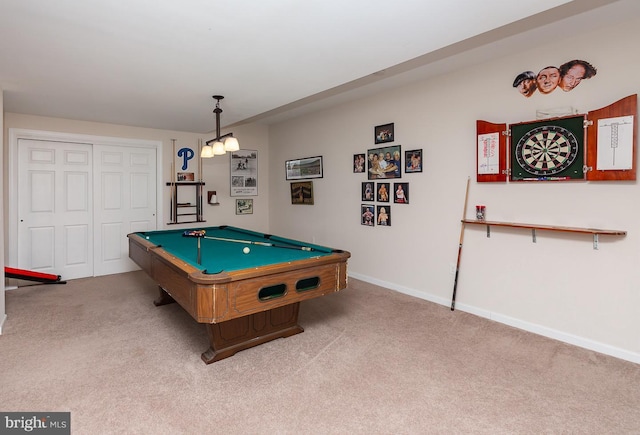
(220, 144)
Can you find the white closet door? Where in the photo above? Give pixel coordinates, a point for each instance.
(55, 222)
(124, 202)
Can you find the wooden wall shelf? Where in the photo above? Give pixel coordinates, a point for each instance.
(533, 227)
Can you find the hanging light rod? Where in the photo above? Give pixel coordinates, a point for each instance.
(219, 138)
(221, 144)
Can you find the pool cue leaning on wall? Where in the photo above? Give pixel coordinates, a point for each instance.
(174, 196)
(199, 187)
(455, 280)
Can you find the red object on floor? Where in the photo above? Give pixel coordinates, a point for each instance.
(30, 275)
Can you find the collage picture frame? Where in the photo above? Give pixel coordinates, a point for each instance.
(384, 167)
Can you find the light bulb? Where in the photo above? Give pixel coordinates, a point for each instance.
(231, 144)
(218, 148)
(207, 152)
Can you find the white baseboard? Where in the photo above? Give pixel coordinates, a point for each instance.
(516, 323)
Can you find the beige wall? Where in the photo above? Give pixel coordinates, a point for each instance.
(559, 286)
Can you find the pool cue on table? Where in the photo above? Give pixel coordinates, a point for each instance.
(189, 233)
(455, 280)
(250, 242)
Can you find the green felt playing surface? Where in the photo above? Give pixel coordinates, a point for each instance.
(226, 256)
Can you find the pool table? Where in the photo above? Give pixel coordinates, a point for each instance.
(244, 299)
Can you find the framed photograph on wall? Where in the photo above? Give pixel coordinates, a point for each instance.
(244, 206)
(401, 193)
(302, 192)
(358, 163)
(368, 191)
(309, 167)
(382, 191)
(367, 215)
(384, 162)
(383, 217)
(244, 173)
(413, 161)
(185, 176)
(383, 133)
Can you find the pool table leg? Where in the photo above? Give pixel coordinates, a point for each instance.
(227, 338)
(164, 298)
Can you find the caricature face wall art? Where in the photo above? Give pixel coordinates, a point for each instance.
(548, 79)
(566, 77)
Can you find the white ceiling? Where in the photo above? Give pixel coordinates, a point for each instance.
(157, 63)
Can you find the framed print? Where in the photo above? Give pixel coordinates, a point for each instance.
(367, 215)
(309, 167)
(384, 162)
(185, 176)
(244, 206)
(384, 216)
(358, 163)
(383, 133)
(413, 161)
(401, 193)
(383, 192)
(244, 173)
(367, 191)
(302, 192)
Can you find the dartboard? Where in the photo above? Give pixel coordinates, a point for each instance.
(546, 150)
